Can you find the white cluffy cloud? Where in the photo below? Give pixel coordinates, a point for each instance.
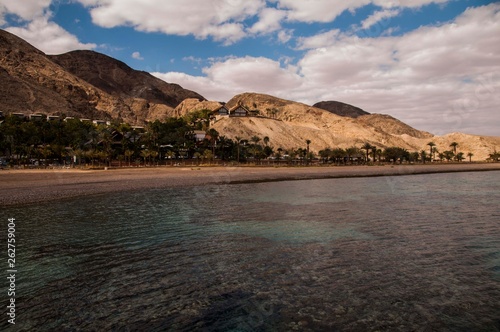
(441, 79)
(26, 9)
(38, 29)
(235, 75)
(219, 19)
(227, 21)
(379, 16)
(328, 10)
(137, 56)
(49, 37)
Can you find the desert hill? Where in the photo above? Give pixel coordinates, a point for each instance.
(32, 82)
(118, 79)
(87, 84)
(289, 124)
(292, 123)
(342, 109)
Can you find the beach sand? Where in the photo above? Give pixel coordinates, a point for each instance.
(32, 186)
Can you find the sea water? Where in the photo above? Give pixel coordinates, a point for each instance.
(403, 253)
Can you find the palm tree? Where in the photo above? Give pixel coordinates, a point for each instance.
(434, 151)
(45, 151)
(350, 152)
(495, 156)
(128, 155)
(120, 159)
(454, 146)
(214, 135)
(79, 153)
(238, 141)
(207, 154)
(197, 155)
(255, 140)
(266, 140)
(448, 155)
(376, 152)
(470, 155)
(367, 146)
(325, 154)
(431, 145)
(308, 141)
(170, 155)
(338, 154)
(415, 156)
(423, 155)
(145, 154)
(153, 154)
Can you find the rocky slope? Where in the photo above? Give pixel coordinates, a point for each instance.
(118, 79)
(292, 123)
(342, 109)
(91, 85)
(32, 82)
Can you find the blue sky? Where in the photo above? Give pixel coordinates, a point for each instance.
(434, 64)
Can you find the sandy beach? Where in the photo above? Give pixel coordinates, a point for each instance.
(19, 187)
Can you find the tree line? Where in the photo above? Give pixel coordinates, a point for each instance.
(175, 140)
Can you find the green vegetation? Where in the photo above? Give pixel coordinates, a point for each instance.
(176, 141)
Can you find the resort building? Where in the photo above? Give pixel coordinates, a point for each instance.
(199, 135)
(221, 111)
(19, 115)
(239, 111)
(36, 117)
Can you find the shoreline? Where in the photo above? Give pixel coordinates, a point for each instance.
(22, 187)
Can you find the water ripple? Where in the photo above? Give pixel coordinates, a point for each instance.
(413, 253)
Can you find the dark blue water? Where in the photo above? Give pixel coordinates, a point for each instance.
(419, 253)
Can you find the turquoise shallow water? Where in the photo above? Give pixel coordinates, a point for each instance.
(401, 253)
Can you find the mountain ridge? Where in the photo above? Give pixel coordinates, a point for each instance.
(88, 84)
(31, 82)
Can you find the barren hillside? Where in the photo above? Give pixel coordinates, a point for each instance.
(83, 84)
(292, 123)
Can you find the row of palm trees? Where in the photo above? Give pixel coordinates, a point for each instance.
(173, 141)
(448, 154)
(374, 154)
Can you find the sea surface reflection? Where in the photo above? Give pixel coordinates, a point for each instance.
(401, 253)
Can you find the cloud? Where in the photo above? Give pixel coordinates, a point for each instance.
(231, 76)
(328, 10)
(137, 56)
(441, 78)
(284, 36)
(49, 37)
(317, 41)
(318, 10)
(269, 21)
(38, 30)
(218, 19)
(379, 16)
(26, 9)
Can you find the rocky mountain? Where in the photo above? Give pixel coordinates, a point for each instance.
(289, 124)
(87, 84)
(342, 109)
(82, 84)
(118, 79)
